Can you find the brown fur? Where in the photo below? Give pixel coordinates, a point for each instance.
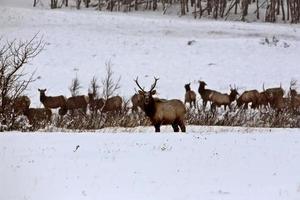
(263, 100)
(218, 99)
(77, 102)
(21, 103)
(52, 101)
(110, 105)
(37, 115)
(190, 96)
(295, 99)
(273, 95)
(205, 93)
(163, 112)
(251, 96)
(137, 102)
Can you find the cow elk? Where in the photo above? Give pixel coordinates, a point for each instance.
(77, 102)
(137, 102)
(273, 95)
(250, 96)
(218, 99)
(205, 93)
(52, 101)
(190, 95)
(295, 99)
(20, 104)
(163, 112)
(112, 104)
(37, 116)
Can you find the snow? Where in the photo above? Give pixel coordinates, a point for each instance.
(211, 164)
(81, 42)
(135, 163)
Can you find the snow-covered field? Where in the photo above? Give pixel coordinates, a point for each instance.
(80, 42)
(206, 163)
(217, 163)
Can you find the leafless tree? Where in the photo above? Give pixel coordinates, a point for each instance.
(75, 87)
(109, 84)
(94, 87)
(14, 55)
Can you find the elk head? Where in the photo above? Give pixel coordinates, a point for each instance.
(147, 94)
(42, 91)
(187, 87)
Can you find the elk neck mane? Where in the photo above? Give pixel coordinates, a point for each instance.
(150, 109)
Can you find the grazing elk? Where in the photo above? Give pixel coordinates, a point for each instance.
(162, 112)
(110, 105)
(52, 102)
(190, 95)
(20, 104)
(205, 93)
(77, 102)
(37, 115)
(137, 102)
(250, 96)
(218, 99)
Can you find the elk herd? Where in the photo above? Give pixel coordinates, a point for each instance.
(160, 111)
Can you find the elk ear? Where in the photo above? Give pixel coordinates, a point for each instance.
(39, 90)
(141, 92)
(153, 92)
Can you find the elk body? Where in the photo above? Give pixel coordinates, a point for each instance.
(250, 96)
(163, 112)
(190, 95)
(137, 102)
(21, 103)
(38, 115)
(273, 95)
(295, 99)
(263, 100)
(205, 93)
(110, 105)
(77, 102)
(52, 101)
(218, 99)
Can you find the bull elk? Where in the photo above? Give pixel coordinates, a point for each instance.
(110, 105)
(162, 112)
(190, 95)
(52, 101)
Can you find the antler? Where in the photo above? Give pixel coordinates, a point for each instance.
(136, 81)
(154, 84)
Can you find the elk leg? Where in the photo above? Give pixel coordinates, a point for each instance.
(157, 128)
(175, 127)
(204, 104)
(182, 126)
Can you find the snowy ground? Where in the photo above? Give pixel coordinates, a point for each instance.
(207, 163)
(216, 163)
(80, 42)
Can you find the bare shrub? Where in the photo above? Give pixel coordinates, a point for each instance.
(109, 84)
(75, 87)
(14, 55)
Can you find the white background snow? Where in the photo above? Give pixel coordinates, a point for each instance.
(206, 163)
